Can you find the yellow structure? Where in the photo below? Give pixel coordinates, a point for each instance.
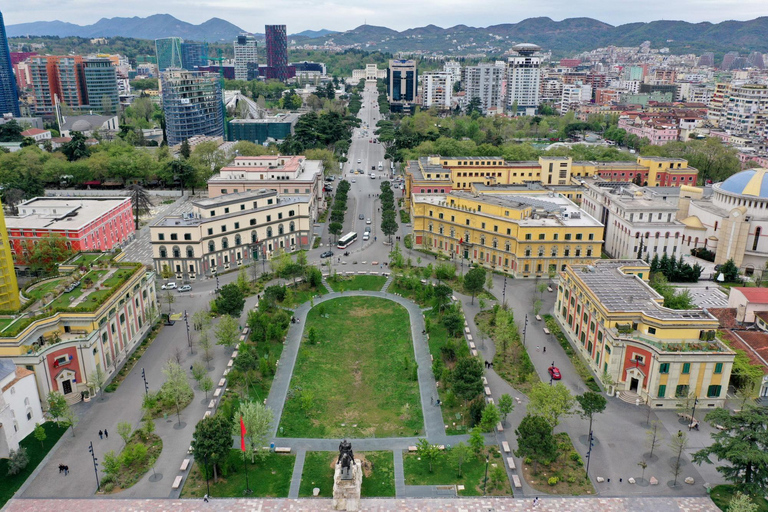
(9, 288)
(648, 352)
(523, 235)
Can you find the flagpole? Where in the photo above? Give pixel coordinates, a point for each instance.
(242, 448)
(247, 487)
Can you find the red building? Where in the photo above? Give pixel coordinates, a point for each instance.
(87, 223)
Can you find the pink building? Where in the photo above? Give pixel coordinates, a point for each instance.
(658, 133)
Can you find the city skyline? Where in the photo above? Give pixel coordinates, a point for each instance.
(325, 15)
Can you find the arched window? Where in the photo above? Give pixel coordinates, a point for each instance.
(269, 232)
(482, 240)
(238, 240)
(541, 250)
(176, 252)
(292, 227)
(190, 252)
(657, 235)
(495, 243)
(280, 229)
(666, 235)
(163, 252)
(757, 238)
(254, 237)
(440, 229)
(453, 233)
(224, 243)
(554, 252)
(211, 246)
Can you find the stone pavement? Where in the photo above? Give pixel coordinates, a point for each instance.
(480, 504)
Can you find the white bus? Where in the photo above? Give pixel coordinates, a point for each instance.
(347, 240)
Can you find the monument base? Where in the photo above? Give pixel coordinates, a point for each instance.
(346, 493)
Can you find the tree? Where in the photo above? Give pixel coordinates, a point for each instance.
(206, 385)
(124, 430)
(742, 503)
(490, 418)
(550, 402)
(458, 455)
(201, 319)
(335, 228)
(142, 204)
(40, 434)
(71, 419)
(176, 387)
(205, 343)
(76, 148)
(46, 253)
(742, 443)
(111, 464)
(17, 461)
(185, 151)
(506, 406)
(678, 443)
(257, 419)
(591, 403)
(169, 298)
(198, 371)
(474, 281)
(227, 331)
(230, 300)
(389, 224)
(442, 296)
(476, 441)
(212, 441)
(98, 378)
(652, 437)
(730, 271)
(467, 378)
(535, 440)
(427, 451)
(57, 405)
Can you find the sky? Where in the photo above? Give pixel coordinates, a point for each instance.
(341, 15)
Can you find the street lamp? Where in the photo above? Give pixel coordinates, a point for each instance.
(525, 328)
(189, 339)
(504, 292)
(589, 451)
(95, 466)
(485, 480)
(693, 413)
(146, 386)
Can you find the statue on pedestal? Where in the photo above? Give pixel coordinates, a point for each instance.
(346, 458)
(347, 480)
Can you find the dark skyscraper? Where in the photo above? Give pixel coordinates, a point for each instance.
(9, 98)
(277, 51)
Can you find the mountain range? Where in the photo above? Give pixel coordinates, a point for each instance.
(151, 27)
(562, 37)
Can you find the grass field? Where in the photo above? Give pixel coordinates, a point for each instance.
(268, 478)
(378, 474)
(36, 453)
(359, 380)
(445, 473)
(722, 495)
(368, 283)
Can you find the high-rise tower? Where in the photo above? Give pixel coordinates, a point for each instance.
(523, 79)
(9, 97)
(245, 54)
(277, 51)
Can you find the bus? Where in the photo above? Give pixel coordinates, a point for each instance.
(347, 240)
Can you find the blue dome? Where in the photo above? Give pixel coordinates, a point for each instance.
(751, 182)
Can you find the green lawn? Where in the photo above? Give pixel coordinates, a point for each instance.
(5, 322)
(445, 473)
(722, 495)
(268, 478)
(359, 380)
(40, 291)
(35, 452)
(378, 474)
(86, 258)
(66, 299)
(303, 292)
(370, 283)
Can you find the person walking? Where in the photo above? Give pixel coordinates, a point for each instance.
(106, 434)
(101, 434)
(545, 350)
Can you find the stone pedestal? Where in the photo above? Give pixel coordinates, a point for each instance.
(346, 493)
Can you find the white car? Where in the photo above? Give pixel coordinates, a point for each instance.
(353, 180)
(366, 237)
(359, 160)
(185, 288)
(368, 220)
(169, 286)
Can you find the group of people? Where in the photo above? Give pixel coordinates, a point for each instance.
(488, 365)
(103, 434)
(63, 469)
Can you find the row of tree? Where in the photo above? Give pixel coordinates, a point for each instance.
(339, 208)
(676, 271)
(388, 222)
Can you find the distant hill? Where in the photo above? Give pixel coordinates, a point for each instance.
(314, 33)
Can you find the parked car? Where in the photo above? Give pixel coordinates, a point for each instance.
(368, 220)
(185, 288)
(554, 372)
(367, 229)
(366, 236)
(326, 254)
(169, 286)
(361, 216)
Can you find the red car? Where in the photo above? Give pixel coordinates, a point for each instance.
(554, 373)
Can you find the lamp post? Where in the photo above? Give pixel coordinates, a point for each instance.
(217, 281)
(485, 480)
(189, 339)
(525, 328)
(504, 292)
(95, 466)
(589, 451)
(693, 413)
(146, 386)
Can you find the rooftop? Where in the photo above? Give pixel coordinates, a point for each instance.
(62, 213)
(753, 294)
(620, 292)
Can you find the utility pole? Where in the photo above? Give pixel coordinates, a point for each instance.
(95, 466)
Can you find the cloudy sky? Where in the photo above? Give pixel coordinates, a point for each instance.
(252, 15)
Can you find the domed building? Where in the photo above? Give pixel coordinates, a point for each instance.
(733, 222)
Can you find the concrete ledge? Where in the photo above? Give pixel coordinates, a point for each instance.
(516, 481)
(511, 463)
(184, 465)
(283, 449)
(222, 381)
(505, 446)
(177, 482)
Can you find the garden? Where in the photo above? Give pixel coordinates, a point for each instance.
(341, 283)
(378, 474)
(141, 450)
(563, 474)
(355, 375)
(270, 477)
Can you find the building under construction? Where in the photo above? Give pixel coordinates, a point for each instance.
(192, 105)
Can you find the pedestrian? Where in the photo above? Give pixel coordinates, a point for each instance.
(106, 434)
(620, 480)
(61, 468)
(66, 470)
(545, 350)
(537, 348)
(101, 434)
(431, 400)
(205, 498)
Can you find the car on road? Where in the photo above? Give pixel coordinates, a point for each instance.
(361, 216)
(185, 288)
(366, 236)
(353, 180)
(367, 229)
(373, 176)
(554, 372)
(359, 160)
(169, 286)
(368, 220)
(326, 254)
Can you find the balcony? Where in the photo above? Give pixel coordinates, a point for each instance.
(665, 346)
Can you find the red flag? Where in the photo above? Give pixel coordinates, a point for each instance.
(242, 434)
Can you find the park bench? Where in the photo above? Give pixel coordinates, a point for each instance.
(412, 448)
(472, 345)
(538, 317)
(511, 463)
(490, 401)
(283, 449)
(184, 465)
(505, 446)
(212, 404)
(217, 392)
(516, 481)
(487, 391)
(546, 331)
(500, 427)
(177, 482)
(234, 354)
(485, 381)
(222, 381)
(466, 330)
(474, 353)
(230, 363)
(207, 414)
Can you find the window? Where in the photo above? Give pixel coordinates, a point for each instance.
(226, 210)
(269, 218)
(187, 236)
(163, 252)
(567, 236)
(176, 252)
(664, 368)
(237, 225)
(713, 391)
(718, 367)
(211, 247)
(686, 368)
(651, 330)
(591, 236)
(224, 243)
(161, 236)
(210, 231)
(578, 236)
(292, 227)
(541, 236)
(174, 236)
(213, 213)
(555, 236)
(662, 390)
(279, 215)
(238, 240)
(527, 236)
(224, 228)
(253, 222)
(681, 391)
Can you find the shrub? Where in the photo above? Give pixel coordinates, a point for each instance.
(528, 461)
(575, 456)
(17, 460)
(571, 479)
(108, 487)
(134, 454)
(552, 480)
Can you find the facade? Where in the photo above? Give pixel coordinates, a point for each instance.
(37, 134)
(85, 328)
(636, 220)
(20, 406)
(193, 105)
(229, 231)
(631, 342)
(85, 223)
(260, 131)
(168, 52)
(101, 85)
(402, 84)
(9, 96)
(194, 55)
(748, 302)
(245, 54)
(9, 288)
(454, 68)
(658, 132)
(277, 52)
(484, 82)
(519, 234)
(524, 79)
(573, 96)
(436, 90)
(79, 83)
(746, 110)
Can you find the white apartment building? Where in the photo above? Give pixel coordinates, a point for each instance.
(436, 90)
(633, 216)
(454, 68)
(551, 89)
(524, 79)
(245, 53)
(573, 96)
(632, 86)
(745, 109)
(484, 82)
(19, 405)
